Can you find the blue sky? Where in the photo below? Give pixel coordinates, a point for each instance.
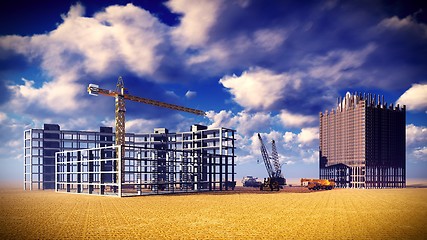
(255, 66)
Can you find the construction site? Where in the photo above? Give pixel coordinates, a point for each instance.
(129, 164)
(353, 154)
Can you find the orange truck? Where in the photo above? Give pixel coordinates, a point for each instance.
(317, 184)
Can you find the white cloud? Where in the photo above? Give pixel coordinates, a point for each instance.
(223, 118)
(190, 94)
(3, 117)
(199, 17)
(405, 23)
(244, 122)
(172, 94)
(289, 137)
(80, 123)
(221, 53)
(415, 135)
(416, 142)
(124, 34)
(308, 135)
(415, 98)
(259, 88)
(311, 157)
(421, 153)
(292, 148)
(118, 37)
(142, 125)
(337, 64)
(267, 139)
(58, 96)
(295, 120)
(175, 123)
(270, 39)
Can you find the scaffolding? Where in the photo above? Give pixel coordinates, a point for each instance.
(143, 171)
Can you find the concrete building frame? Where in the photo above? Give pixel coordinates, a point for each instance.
(208, 152)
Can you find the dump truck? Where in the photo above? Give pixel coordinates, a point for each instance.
(317, 184)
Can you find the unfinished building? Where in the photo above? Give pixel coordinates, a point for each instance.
(154, 163)
(362, 143)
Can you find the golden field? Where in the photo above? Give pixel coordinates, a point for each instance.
(336, 214)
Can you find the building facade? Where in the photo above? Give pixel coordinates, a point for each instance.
(202, 158)
(362, 143)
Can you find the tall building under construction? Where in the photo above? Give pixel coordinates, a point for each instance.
(362, 143)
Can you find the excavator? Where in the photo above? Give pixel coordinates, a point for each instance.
(275, 180)
(317, 184)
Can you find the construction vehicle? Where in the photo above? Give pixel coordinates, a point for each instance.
(250, 181)
(229, 184)
(317, 184)
(275, 180)
(120, 97)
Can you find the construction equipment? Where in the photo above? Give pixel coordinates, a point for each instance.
(317, 184)
(250, 181)
(275, 179)
(120, 96)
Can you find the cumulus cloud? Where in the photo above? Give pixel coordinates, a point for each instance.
(320, 75)
(57, 96)
(415, 98)
(142, 125)
(415, 135)
(190, 94)
(292, 147)
(289, 137)
(310, 156)
(421, 153)
(296, 120)
(267, 138)
(416, 142)
(259, 88)
(118, 36)
(3, 117)
(409, 23)
(308, 135)
(295, 147)
(124, 34)
(244, 122)
(199, 17)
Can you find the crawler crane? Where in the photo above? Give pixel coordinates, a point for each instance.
(120, 96)
(275, 179)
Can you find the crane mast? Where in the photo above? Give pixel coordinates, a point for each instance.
(266, 158)
(120, 110)
(275, 179)
(120, 117)
(275, 160)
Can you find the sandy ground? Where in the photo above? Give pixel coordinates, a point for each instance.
(247, 213)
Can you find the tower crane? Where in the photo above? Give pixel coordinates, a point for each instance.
(120, 97)
(275, 179)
